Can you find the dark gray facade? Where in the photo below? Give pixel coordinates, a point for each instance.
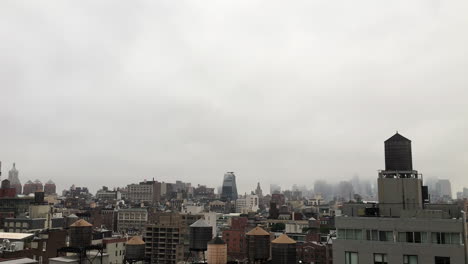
(229, 189)
(423, 239)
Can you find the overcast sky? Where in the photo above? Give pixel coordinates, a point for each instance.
(113, 92)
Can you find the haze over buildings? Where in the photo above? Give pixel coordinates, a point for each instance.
(98, 91)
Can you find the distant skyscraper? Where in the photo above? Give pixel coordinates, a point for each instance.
(14, 179)
(49, 188)
(32, 187)
(444, 189)
(259, 191)
(274, 188)
(229, 191)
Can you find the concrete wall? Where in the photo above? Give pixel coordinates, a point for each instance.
(395, 250)
(396, 194)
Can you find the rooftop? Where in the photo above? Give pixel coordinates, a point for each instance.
(258, 231)
(283, 239)
(217, 241)
(15, 236)
(200, 223)
(19, 261)
(136, 240)
(81, 223)
(397, 138)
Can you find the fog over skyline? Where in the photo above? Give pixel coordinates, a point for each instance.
(109, 93)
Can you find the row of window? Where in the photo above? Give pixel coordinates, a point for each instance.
(119, 253)
(132, 216)
(405, 237)
(18, 224)
(379, 258)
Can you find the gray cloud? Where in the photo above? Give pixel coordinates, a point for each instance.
(107, 93)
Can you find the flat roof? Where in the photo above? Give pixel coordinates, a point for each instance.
(65, 259)
(18, 236)
(19, 261)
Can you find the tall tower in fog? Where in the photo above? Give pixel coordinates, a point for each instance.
(14, 179)
(229, 191)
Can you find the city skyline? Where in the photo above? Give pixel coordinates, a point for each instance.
(359, 186)
(100, 92)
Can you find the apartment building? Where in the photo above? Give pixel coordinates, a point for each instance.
(402, 227)
(146, 191)
(165, 238)
(131, 220)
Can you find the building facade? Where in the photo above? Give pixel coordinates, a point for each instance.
(165, 238)
(229, 189)
(132, 220)
(146, 191)
(402, 227)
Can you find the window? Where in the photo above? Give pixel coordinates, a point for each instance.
(385, 236)
(412, 237)
(351, 257)
(446, 238)
(372, 235)
(350, 234)
(442, 260)
(341, 234)
(410, 259)
(380, 258)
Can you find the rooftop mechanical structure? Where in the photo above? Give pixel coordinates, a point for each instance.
(200, 234)
(80, 243)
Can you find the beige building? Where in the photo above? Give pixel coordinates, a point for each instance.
(165, 238)
(146, 191)
(132, 220)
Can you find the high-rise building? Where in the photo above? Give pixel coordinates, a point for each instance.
(444, 189)
(248, 203)
(274, 188)
(402, 227)
(32, 187)
(165, 238)
(229, 191)
(50, 188)
(259, 191)
(13, 177)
